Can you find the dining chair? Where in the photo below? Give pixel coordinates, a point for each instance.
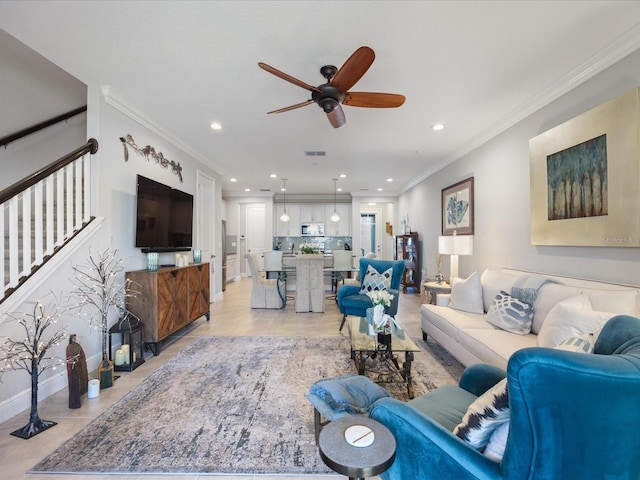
(342, 263)
(264, 292)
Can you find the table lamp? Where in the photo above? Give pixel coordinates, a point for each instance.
(455, 245)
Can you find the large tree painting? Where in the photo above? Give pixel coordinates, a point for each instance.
(577, 181)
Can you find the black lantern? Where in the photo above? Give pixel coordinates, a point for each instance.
(126, 343)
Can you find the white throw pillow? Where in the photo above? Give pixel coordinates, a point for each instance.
(466, 295)
(484, 415)
(567, 320)
(549, 295)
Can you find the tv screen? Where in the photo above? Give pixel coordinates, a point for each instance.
(164, 217)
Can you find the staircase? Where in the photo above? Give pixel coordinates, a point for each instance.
(43, 212)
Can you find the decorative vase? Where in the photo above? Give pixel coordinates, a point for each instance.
(378, 316)
(384, 340)
(105, 370)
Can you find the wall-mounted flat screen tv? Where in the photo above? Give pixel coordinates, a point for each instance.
(164, 217)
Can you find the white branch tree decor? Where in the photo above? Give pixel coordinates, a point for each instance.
(31, 354)
(100, 285)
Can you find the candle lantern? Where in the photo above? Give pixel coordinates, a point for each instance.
(126, 343)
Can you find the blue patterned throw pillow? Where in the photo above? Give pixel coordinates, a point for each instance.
(374, 280)
(510, 314)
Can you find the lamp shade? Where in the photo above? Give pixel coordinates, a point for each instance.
(455, 245)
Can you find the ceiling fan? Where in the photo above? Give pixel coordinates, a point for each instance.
(329, 96)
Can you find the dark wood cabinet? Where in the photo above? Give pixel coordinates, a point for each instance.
(169, 299)
(407, 249)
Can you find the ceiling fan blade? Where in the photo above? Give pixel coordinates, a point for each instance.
(373, 100)
(353, 69)
(336, 117)
(288, 77)
(292, 107)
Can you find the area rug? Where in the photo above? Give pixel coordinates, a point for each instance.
(226, 405)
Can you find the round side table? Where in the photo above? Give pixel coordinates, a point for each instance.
(357, 462)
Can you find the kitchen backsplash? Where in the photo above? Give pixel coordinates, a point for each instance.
(324, 244)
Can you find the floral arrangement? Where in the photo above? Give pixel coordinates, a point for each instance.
(380, 300)
(380, 297)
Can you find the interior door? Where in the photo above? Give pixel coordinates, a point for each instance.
(206, 226)
(255, 229)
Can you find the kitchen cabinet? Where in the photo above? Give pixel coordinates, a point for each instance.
(341, 228)
(232, 268)
(407, 249)
(290, 228)
(312, 212)
(169, 299)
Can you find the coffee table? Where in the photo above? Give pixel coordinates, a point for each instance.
(357, 446)
(379, 360)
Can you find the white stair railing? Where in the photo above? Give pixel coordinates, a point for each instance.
(41, 213)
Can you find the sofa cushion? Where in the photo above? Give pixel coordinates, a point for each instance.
(570, 318)
(494, 346)
(624, 302)
(484, 415)
(451, 321)
(466, 295)
(446, 405)
(549, 295)
(492, 283)
(374, 280)
(510, 314)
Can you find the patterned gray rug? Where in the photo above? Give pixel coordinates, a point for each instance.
(226, 405)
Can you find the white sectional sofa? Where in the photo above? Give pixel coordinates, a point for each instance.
(570, 307)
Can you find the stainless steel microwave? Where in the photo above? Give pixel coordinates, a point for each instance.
(312, 229)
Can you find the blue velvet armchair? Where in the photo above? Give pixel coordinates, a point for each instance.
(351, 302)
(572, 415)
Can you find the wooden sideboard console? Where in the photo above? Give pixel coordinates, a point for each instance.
(169, 299)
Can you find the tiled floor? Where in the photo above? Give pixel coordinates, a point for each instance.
(230, 316)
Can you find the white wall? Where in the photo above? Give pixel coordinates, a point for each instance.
(501, 174)
(113, 200)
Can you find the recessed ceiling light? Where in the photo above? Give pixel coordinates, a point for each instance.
(233, 180)
(247, 189)
(371, 204)
(343, 175)
(437, 127)
(339, 189)
(389, 179)
(379, 189)
(216, 126)
(273, 175)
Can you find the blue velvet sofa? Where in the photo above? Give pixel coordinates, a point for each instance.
(572, 415)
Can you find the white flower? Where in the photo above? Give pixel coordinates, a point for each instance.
(380, 297)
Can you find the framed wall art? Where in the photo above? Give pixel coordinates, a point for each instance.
(584, 178)
(457, 208)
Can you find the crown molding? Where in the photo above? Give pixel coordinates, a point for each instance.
(626, 44)
(117, 101)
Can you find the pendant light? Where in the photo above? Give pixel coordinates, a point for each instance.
(335, 217)
(285, 216)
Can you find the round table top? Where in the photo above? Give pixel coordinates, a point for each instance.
(354, 461)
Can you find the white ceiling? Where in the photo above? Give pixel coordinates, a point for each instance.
(476, 66)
